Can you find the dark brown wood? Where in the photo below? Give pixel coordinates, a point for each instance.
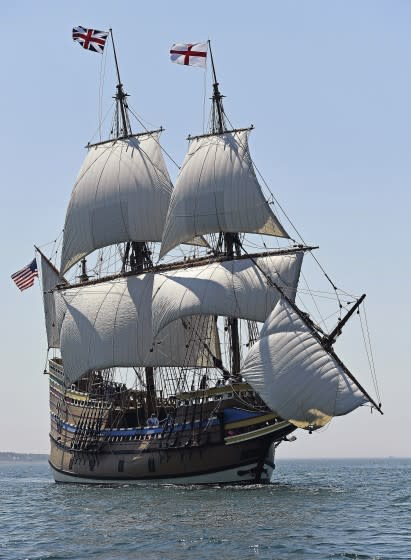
(189, 137)
(337, 331)
(83, 276)
(120, 95)
(56, 270)
(218, 121)
(232, 247)
(191, 263)
(135, 135)
(151, 391)
(186, 446)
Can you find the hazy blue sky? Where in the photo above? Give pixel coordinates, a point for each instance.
(327, 86)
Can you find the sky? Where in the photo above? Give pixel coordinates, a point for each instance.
(327, 86)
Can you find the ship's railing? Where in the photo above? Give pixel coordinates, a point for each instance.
(215, 393)
(56, 365)
(86, 434)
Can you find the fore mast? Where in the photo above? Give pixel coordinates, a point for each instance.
(136, 256)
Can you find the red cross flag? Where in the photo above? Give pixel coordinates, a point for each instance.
(191, 54)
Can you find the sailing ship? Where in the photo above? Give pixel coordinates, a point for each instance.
(190, 369)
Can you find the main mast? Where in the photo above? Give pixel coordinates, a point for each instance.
(228, 240)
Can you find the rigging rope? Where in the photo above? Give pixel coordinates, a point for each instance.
(275, 201)
(146, 129)
(369, 353)
(204, 96)
(101, 88)
(314, 301)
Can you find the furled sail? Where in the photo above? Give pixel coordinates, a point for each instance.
(233, 288)
(217, 191)
(109, 324)
(295, 375)
(50, 277)
(122, 194)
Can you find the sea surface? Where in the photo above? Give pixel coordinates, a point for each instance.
(356, 509)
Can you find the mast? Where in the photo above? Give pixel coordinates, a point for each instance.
(121, 103)
(83, 276)
(231, 240)
(230, 245)
(218, 125)
(137, 256)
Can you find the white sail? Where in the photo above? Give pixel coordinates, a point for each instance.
(217, 191)
(109, 324)
(295, 375)
(122, 194)
(50, 277)
(232, 288)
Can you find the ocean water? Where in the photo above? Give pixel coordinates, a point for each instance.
(356, 509)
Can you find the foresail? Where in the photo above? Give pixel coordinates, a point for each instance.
(295, 375)
(110, 325)
(217, 191)
(50, 277)
(233, 288)
(122, 194)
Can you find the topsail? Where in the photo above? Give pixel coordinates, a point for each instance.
(121, 194)
(217, 191)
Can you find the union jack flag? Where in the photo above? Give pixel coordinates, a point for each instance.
(91, 39)
(24, 278)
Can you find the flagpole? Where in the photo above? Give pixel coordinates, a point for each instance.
(115, 56)
(218, 124)
(212, 61)
(121, 95)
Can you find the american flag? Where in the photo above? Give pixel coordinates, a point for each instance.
(91, 39)
(24, 278)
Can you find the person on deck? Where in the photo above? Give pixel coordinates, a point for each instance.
(153, 421)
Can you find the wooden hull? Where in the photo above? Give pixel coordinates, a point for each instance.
(250, 461)
(233, 445)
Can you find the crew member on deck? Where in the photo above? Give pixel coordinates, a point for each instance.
(153, 421)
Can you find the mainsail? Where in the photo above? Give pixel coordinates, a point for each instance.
(122, 194)
(109, 324)
(217, 191)
(295, 375)
(231, 288)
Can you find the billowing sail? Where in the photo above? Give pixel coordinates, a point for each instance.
(295, 375)
(122, 194)
(217, 191)
(233, 288)
(50, 277)
(109, 324)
